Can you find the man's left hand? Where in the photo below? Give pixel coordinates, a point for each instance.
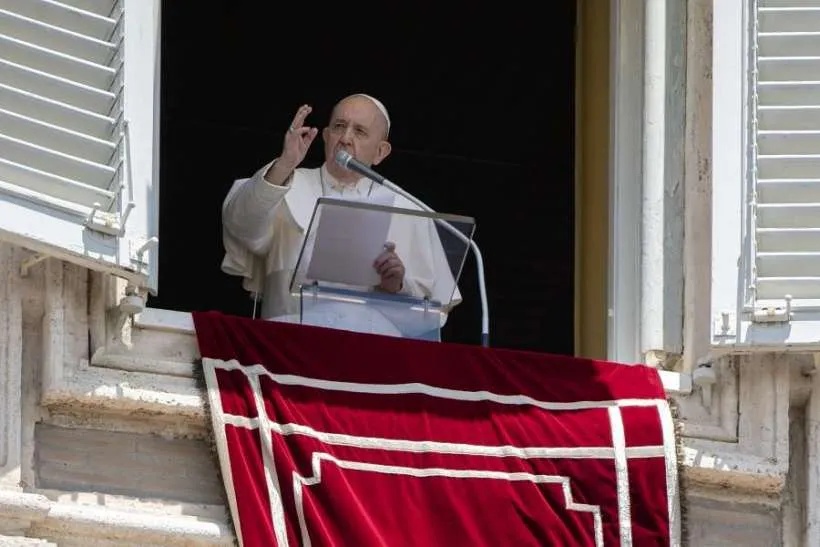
(391, 269)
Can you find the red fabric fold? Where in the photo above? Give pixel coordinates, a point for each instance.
(341, 438)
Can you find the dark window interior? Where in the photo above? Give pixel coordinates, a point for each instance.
(482, 104)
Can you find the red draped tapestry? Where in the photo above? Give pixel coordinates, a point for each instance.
(327, 437)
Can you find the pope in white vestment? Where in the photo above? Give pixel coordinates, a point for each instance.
(264, 228)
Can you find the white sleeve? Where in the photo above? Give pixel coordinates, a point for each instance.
(248, 211)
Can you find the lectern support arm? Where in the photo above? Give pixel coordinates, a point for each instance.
(485, 314)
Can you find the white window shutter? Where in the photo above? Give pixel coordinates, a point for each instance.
(79, 127)
(785, 206)
(766, 175)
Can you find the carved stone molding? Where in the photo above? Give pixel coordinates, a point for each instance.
(756, 461)
(96, 358)
(713, 417)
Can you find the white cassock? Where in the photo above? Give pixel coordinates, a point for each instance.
(264, 228)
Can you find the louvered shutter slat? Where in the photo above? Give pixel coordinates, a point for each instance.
(56, 63)
(789, 18)
(789, 215)
(786, 213)
(782, 44)
(799, 287)
(57, 113)
(788, 93)
(787, 3)
(52, 161)
(31, 182)
(789, 191)
(789, 118)
(55, 38)
(98, 7)
(56, 88)
(796, 240)
(789, 69)
(784, 264)
(57, 138)
(789, 166)
(785, 143)
(64, 15)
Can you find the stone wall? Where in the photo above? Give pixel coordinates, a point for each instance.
(103, 438)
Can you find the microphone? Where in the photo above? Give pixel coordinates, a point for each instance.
(346, 160)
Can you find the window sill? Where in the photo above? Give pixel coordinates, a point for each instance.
(793, 336)
(674, 383)
(165, 320)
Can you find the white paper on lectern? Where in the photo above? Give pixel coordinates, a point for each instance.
(347, 241)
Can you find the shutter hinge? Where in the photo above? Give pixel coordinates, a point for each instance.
(101, 221)
(108, 223)
(774, 313)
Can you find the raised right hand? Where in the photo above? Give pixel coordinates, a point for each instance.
(298, 139)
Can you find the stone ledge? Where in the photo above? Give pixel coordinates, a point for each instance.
(165, 320)
(98, 525)
(159, 320)
(132, 362)
(752, 475)
(127, 392)
(19, 541)
(124, 380)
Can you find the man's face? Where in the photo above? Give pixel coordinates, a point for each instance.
(358, 127)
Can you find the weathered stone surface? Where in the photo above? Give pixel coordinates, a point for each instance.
(133, 464)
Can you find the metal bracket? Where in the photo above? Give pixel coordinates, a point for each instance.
(705, 377)
(773, 313)
(30, 262)
(139, 248)
(724, 326)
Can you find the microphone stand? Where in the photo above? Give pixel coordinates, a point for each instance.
(485, 315)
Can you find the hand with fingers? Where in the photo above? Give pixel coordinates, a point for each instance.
(391, 269)
(297, 141)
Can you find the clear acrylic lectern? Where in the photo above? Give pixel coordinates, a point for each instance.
(337, 284)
